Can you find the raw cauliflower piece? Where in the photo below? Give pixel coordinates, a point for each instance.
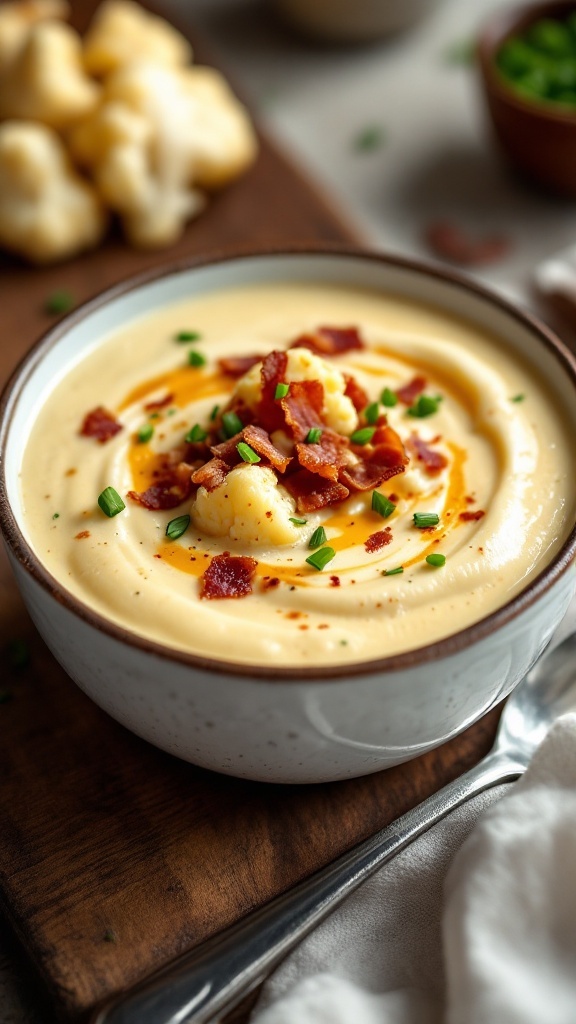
(47, 212)
(18, 17)
(249, 506)
(122, 31)
(45, 81)
(338, 412)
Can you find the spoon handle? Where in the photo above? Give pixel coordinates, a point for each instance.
(203, 982)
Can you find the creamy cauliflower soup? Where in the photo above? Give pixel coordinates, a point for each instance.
(298, 474)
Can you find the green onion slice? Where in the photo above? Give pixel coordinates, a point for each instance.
(176, 527)
(188, 336)
(318, 538)
(145, 433)
(319, 559)
(60, 301)
(518, 398)
(371, 412)
(196, 358)
(393, 572)
(313, 436)
(281, 390)
(196, 434)
(232, 424)
(425, 519)
(363, 436)
(436, 560)
(382, 505)
(110, 502)
(424, 406)
(388, 398)
(298, 522)
(246, 453)
(214, 413)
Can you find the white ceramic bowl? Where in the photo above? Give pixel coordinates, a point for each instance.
(280, 724)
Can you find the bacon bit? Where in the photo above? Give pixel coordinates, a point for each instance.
(270, 583)
(326, 457)
(451, 242)
(469, 499)
(378, 462)
(334, 581)
(237, 366)
(82, 535)
(379, 540)
(470, 517)
(355, 393)
(228, 576)
(433, 461)
(393, 498)
(313, 492)
(259, 440)
(302, 407)
(330, 341)
(211, 475)
(169, 491)
(273, 372)
(100, 424)
(410, 391)
(160, 403)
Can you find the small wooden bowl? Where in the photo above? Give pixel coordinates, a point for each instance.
(539, 138)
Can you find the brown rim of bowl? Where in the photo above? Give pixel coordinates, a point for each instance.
(494, 32)
(409, 659)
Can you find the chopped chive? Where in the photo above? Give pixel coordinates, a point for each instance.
(424, 406)
(214, 413)
(321, 558)
(318, 538)
(298, 522)
(313, 436)
(176, 527)
(281, 390)
(369, 139)
(436, 559)
(110, 502)
(18, 653)
(188, 336)
(145, 433)
(382, 505)
(389, 398)
(518, 398)
(196, 358)
(363, 436)
(424, 519)
(232, 424)
(371, 412)
(56, 515)
(154, 416)
(393, 572)
(60, 301)
(246, 453)
(195, 434)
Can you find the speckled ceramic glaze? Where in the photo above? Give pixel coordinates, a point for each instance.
(278, 724)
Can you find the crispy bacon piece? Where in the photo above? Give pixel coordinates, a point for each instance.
(160, 403)
(302, 407)
(411, 390)
(168, 491)
(259, 440)
(228, 576)
(100, 424)
(470, 517)
(385, 458)
(313, 492)
(452, 242)
(355, 392)
(433, 461)
(237, 366)
(326, 457)
(330, 341)
(377, 541)
(273, 372)
(211, 475)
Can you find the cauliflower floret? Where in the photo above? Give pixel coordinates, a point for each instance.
(338, 412)
(249, 506)
(45, 81)
(122, 29)
(47, 212)
(16, 20)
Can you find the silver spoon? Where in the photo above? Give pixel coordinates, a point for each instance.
(201, 984)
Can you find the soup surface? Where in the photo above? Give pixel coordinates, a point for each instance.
(435, 463)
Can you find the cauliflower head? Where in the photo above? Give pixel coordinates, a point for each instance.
(47, 212)
(18, 17)
(121, 28)
(338, 412)
(250, 506)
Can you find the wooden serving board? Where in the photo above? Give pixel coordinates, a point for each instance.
(116, 857)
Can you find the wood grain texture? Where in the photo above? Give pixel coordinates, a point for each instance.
(116, 857)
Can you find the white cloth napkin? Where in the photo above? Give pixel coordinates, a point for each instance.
(474, 923)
